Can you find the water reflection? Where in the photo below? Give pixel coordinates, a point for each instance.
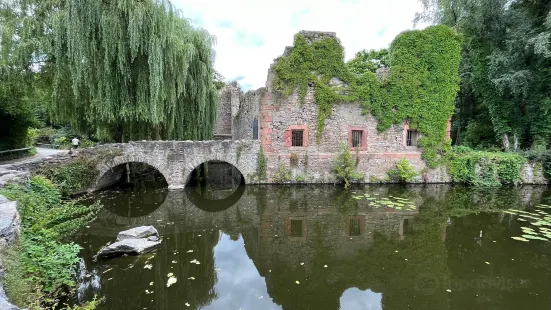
(318, 247)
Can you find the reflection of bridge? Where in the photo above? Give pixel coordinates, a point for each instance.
(407, 257)
(278, 236)
(175, 160)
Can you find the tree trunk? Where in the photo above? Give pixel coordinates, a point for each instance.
(506, 142)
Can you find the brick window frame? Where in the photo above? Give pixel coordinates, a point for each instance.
(363, 146)
(288, 136)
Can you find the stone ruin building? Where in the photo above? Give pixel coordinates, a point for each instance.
(286, 129)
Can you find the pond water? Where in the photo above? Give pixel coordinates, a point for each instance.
(323, 247)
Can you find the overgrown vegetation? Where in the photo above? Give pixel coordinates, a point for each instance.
(314, 63)
(71, 177)
(344, 166)
(420, 87)
(282, 174)
(42, 266)
(403, 172)
(61, 137)
(504, 98)
(78, 174)
(485, 168)
(261, 165)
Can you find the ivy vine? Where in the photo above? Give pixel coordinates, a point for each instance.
(316, 64)
(421, 86)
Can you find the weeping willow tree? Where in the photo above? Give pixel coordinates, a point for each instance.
(138, 70)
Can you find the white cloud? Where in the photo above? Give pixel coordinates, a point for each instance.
(252, 33)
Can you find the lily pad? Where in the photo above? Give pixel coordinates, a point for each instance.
(534, 237)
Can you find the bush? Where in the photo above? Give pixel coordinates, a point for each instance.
(45, 263)
(344, 166)
(71, 177)
(45, 135)
(282, 174)
(32, 135)
(485, 168)
(403, 172)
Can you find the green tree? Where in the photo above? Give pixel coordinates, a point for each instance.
(504, 98)
(138, 70)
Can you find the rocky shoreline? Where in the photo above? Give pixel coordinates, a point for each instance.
(10, 224)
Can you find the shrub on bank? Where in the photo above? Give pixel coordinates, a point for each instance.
(403, 172)
(482, 168)
(344, 166)
(40, 268)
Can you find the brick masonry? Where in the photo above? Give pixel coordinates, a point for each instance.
(277, 116)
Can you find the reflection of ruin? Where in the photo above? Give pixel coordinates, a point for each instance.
(383, 250)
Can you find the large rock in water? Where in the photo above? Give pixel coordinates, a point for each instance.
(137, 233)
(134, 241)
(129, 246)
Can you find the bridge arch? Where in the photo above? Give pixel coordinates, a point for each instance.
(111, 172)
(196, 162)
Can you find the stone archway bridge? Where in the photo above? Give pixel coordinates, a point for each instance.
(176, 160)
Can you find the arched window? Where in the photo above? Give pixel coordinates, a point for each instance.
(255, 129)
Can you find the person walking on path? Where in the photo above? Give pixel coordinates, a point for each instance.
(75, 143)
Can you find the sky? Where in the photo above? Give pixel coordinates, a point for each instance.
(240, 286)
(250, 34)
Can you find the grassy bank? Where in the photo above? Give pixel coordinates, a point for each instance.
(39, 269)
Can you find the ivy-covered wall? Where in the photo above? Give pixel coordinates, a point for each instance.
(421, 86)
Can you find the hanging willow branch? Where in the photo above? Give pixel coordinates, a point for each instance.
(138, 70)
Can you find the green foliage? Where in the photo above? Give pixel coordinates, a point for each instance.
(316, 63)
(505, 82)
(261, 165)
(368, 61)
(20, 289)
(71, 177)
(21, 90)
(49, 262)
(46, 135)
(300, 178)
(60, 140)
(282, 174)
(485, 168)
(421, 86)
(344, 166)
(61, 137)
(403, 172)
(148, 72)
(32, 135)
(16, 108)
(46, 221)
(91, 305)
